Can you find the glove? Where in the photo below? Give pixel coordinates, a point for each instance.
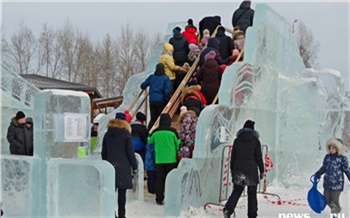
(134, 173)
(318, 175)
(261, 176)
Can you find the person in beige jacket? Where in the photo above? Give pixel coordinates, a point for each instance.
(169, 64)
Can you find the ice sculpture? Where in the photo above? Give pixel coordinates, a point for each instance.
(16, 94)
(54, 182)
(288, 102)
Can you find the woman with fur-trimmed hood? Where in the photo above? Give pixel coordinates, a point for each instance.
(192, 99)
(118, 150)
(335, 164)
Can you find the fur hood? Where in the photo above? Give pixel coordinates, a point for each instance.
(121, 124)
(181, 117)
(190, 90)
(337, 144)
(14, 121)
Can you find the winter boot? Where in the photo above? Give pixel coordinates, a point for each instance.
(226, 214)
(121, 213)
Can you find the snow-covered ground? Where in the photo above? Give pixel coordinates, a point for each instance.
(267, 209)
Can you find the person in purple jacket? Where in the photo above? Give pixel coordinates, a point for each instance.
(335, 164)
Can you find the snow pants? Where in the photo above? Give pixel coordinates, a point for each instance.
(252, 200)
(332, 199)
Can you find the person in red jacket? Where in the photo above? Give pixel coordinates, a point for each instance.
(190, 32)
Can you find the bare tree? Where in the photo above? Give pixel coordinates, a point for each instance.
(67, 39)
(21, 50)
(46, 46)
(308, 45)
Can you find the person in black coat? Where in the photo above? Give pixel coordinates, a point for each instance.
(16, 135)
(226, 43)
(243, 16)
(29, 133)
(139, 134)
(209, 23)
(180, 45)
(246, 159)
(118, 150)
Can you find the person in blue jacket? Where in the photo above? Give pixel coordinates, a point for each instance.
(159, 92)
(335, 164)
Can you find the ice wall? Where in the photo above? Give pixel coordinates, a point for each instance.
(290, 105)
(16, 94)
(54, 183)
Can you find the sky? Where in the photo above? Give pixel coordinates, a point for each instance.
(328, 21)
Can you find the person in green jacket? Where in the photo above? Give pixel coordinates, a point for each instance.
(166, 142)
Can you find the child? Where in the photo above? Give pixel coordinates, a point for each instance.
(194, 51)
(188, 121)
(150, 167)
(205, 38)
(334, 165)
(139, 134)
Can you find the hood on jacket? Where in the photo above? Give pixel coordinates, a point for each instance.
(220, 32)
(165, 120)
(14, 122)
(120, 124)
(211, 63)
(245, 5)
(191, 29)
(178, 36)
(159, 70)
(213, 42)
(335, 143)
(247, 133)
(190, 90)
(168, 47)
(29, 120)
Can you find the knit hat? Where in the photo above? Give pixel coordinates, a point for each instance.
(183, 109)
(177, 30)
(249, 124)
(128, 116)
(210, 55)
(190, 22)
(120, 116)
(206, 33)
(141, 116)
(20, 115)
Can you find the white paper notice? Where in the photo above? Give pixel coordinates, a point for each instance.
(75, 127)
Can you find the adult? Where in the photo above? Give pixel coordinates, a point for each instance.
(246, 158)
(168, 61)
(209, 23)
(243, 16)
(210, 75)
(16, 135)
(226, 44)
(190, 32)
(213, 45)
(180, 45)
(159, 92)
(118, 150)
(166, 144)
(29, 133)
